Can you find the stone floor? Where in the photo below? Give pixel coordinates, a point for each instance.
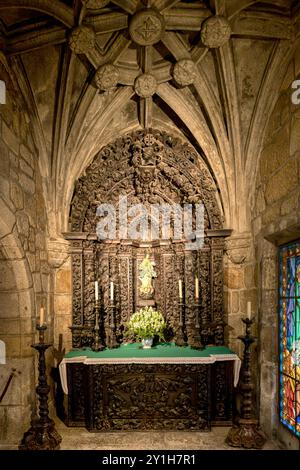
(81, 439)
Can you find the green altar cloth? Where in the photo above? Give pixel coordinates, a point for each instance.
(161, 350)
(163, 353)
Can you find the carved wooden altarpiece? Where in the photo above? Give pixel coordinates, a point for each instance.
(149, 167)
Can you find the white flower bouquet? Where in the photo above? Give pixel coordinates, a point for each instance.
(146, 323)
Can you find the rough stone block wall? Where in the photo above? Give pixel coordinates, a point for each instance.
(24, 268)
(275, 217)
(63, 305)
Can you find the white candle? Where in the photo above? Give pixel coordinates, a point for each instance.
(111, 291)
(96, 291)
(42, 314)
(196, 288)
(249, 309)
(180, 288)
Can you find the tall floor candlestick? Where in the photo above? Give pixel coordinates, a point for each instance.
(246, 432)
(42, 434)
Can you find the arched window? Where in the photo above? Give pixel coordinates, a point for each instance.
(289, 335)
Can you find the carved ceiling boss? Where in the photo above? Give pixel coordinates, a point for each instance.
(145, 28)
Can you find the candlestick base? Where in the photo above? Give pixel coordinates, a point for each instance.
(246, 433)
(41, 436)
(179, 339)
(112, 340)
(195, 343)
(97, 345)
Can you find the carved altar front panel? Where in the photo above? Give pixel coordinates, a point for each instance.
(160, 396)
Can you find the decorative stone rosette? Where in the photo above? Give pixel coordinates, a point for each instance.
(82, 39)
(145, 85)
(215, 31)
(184, 72)
(146, 27)
(107, 77)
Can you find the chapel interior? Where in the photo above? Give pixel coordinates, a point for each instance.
(163, 103)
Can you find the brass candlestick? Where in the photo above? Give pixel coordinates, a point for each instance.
(246, 432)
(180, 341)
(97, 344)
(111, 337)
(196, 342)
(42, 434)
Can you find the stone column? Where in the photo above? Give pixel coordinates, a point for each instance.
(60, 262)
(239, 284)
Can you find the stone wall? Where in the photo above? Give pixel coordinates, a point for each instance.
(275, 220)
(239, 285)
(24, 268)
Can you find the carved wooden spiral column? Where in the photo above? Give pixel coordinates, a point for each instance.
(246, 432)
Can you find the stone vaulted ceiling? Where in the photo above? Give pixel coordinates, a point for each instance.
(89, 70)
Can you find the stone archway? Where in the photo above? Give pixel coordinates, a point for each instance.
(16, 330)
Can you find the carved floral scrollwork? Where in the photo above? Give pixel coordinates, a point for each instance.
(148, 397)
(156, 160)
(151, 167)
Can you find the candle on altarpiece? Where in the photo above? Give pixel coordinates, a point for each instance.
(111, 291)
(249, 310)
(180, 288)
(196, 288)
(42, 316)
(96, 290)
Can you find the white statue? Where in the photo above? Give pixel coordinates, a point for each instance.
(147, 273)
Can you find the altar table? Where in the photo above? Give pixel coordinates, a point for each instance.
(165, 387)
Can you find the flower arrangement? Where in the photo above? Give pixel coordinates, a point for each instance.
(146, 323)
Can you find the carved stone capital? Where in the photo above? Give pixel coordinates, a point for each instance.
(145, 85)
(82, 39)
(146, 27)
(238, 248)
(95, 4)
(184, 72)
(107, 76)
(215, 31)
